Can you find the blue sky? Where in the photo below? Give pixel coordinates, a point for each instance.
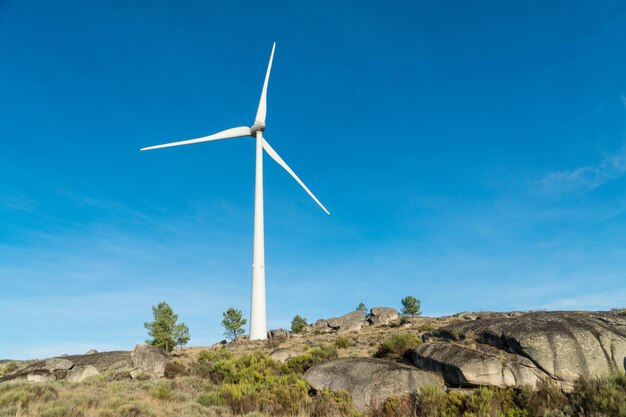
(472, 155)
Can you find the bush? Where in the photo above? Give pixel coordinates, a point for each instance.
(22, 394)
(547, 400)
(333, 403)
(426, 327)
(275, 395)
(601, 397)
(162, 391)
(395, 345)
(397, 406)
(343, 343)
(431, 401)
(9, 368)
(275, 342)
(133, 410)
(300, 363)
(175, 369)
(204, 363)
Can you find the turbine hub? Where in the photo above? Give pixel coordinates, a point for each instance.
(257, 127)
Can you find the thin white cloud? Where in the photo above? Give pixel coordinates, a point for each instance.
(592, 301)
(587, 177)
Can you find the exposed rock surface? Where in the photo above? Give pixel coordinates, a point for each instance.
(520, 349)
(81, 372)
(57, 364)
(283, 355)
(382, 315)
(150, 358)
(468, 315)
(278, 334)
(352, 321)
(369, 381)
(91, 352)
(61, 368)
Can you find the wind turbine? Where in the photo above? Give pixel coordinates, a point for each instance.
(258, 321)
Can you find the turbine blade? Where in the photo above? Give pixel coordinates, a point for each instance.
(283, 164)
(235, 132)
(262, 110)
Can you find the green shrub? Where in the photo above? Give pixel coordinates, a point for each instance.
(8, 368)
(252, 367)
(133, 410)
(206, 358)
(426, 327)
(601, 397)
(161, 391)
(395, 345)
(275, 395)
(300, 363)
(397, 406)
(175, 369)
(333, 403)
(21, 394)
(431, 401)
(547, 400)
(343, 343)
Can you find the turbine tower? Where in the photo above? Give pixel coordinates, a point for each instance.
(258, 321)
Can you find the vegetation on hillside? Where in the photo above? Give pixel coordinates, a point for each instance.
(411, 306)
(233, 323)
(394, 346)
(223, 385)
(299, 324)
(361, 307)
(164, 332)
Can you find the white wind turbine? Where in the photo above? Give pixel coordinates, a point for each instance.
(258, 323)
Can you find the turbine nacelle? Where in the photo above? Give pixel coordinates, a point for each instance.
(257, 127)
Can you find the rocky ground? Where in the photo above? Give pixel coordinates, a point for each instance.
(467, 350)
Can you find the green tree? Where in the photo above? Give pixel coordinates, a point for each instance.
(411, 306)
(163, 330)
(298, 324)
(233, 323)
(181, 335)
(361, 307)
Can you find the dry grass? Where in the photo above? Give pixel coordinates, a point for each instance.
(193, 396)
(363, 343)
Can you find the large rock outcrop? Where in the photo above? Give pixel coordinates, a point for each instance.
(369, 381)
(523, 349)
(150, 359)
(352, 321)
(73, 367)
(283, 355)
(383, 315)
(278, 334)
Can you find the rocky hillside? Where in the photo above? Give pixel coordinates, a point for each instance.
(381, 356)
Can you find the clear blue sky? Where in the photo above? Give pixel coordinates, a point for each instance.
(471, 154)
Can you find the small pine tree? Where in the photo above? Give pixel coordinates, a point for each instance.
(233, 323)
(181, 335)
(361, 307)
(298, 324)
(411, 306)
(163, 330)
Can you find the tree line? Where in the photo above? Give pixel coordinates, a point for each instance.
(165, 333)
